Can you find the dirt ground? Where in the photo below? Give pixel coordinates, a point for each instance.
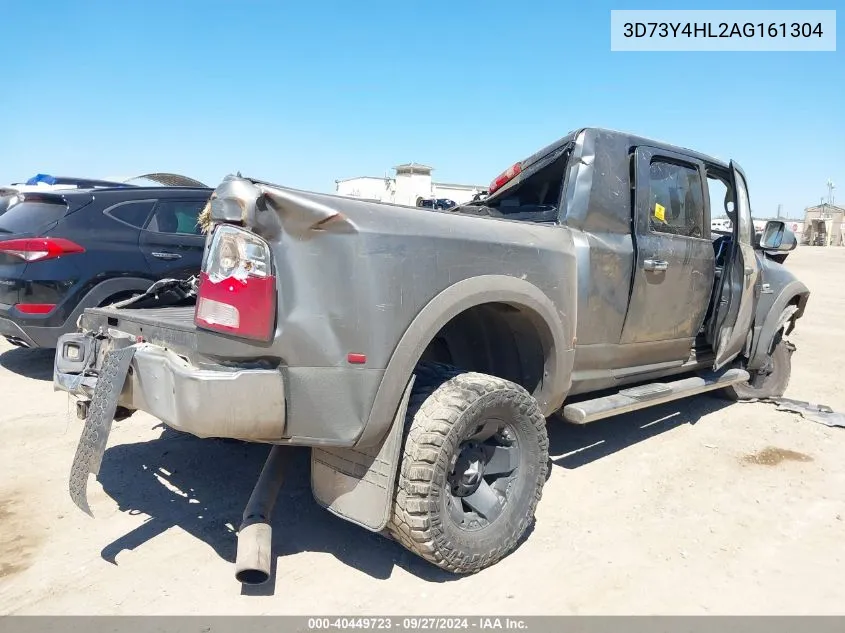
(665, 511)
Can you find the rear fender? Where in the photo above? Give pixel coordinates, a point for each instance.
(448, 304)
(358, 483)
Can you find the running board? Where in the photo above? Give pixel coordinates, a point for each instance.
(649, 395)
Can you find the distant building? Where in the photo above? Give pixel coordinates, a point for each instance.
(796, 226)
(824, 225)
(411, 184)
(721, 225)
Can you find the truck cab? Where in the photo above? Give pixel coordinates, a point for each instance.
(659, 292)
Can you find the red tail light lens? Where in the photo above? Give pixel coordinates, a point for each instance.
(34, 249)
(505, 177)
(35, 308)
(237, 291)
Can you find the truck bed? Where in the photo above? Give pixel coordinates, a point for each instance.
(177, 318)
(170, 327)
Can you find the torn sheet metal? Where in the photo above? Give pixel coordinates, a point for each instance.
(820, 413)
(164, 292)
(95, 435)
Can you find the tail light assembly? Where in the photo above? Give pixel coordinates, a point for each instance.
(237, 288)
(36, 249)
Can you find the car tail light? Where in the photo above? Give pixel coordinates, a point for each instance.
(35, 308)
(34, 249)
(505, 177)
(237, 290)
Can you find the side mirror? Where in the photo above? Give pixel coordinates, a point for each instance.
(776, 237)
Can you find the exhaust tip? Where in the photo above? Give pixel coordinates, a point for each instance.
(252, 563)
(252, 576)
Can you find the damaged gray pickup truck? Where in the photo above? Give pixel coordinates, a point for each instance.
(420, 352)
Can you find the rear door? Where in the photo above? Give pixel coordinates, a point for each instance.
(674, 267)
(738, 293)
(171, 241)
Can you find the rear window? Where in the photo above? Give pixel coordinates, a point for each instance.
(31, 216)
(535, 199)
(177, 216)
(133, 213)
(4, 203)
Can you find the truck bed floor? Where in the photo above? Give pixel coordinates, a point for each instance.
(175, 318)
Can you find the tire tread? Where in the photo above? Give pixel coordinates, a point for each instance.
(745, 392)
(442, 394)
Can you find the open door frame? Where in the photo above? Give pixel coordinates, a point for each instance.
(739, 290)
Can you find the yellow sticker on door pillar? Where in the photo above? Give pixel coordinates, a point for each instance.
(660, 212)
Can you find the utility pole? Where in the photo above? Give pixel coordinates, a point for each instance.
(780, 206)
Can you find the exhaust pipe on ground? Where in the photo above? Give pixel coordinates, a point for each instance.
(255, 535)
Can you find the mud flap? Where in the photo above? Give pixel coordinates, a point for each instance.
(95, 434)
(358, 484)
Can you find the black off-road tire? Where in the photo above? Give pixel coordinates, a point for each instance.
(446, 407)
(766, 385)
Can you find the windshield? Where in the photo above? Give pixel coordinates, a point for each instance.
(30, 217)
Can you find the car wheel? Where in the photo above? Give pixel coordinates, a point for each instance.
(474, 464)
(771, 381)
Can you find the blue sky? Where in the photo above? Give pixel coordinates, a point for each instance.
(302, 93)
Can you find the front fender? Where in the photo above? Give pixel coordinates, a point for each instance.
(768, 324)
(465, 294)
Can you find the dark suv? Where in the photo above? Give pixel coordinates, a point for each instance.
(64, 251)
(436, 203)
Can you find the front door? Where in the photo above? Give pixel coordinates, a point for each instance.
(738, 293)
(171, 241)
(675, 264)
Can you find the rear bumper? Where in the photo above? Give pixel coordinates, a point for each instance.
(13, 331)
(35, 330)
(33, 336)
(244, 404)
(45, 330)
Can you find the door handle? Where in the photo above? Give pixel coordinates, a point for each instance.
(161, 255)
(655, 264)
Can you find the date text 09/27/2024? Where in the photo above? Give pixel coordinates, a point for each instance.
(722, 29)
